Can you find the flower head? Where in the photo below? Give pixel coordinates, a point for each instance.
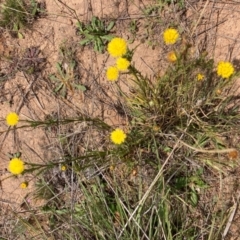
(170, 36)
(117, 47)
(12, 119)
(225, 69)
(16, 166)
(122, 64)
(172, 57)
(24, 185)
(112, 73)
(63, 168)
(118, 136)
(200, 77)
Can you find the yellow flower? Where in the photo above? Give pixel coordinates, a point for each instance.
(24, 185)
(170, 36)
(200, 77)
(112, 73)
(225, 69)
(118, 136)
(172, 57)
(122, 64)
(117, 47)
(63, 168)
(12, 119)
(16, 166)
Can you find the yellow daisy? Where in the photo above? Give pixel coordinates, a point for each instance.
(225, 69)
(12, 119)
(16, 166)
(200, 77)
(118, 136)
(122, 64)
(117, 47)
(170, 36)
(112, 73)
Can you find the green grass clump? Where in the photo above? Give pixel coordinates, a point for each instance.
(17, 14)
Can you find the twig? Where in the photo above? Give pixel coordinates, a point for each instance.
(229, 223)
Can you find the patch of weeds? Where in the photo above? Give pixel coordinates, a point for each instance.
(31, 61)
(18, 14)
(67, 77)
(148, 177)
(158, 6)
(133, 28)
(96, 32)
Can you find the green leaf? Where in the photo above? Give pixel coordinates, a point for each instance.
(84, 42)
(80, 87)
(58, 88)
(110, 25)
(80, 26)
(194, 198)
(107, 37)
(59, 68)
(20, 36)
(53, 78)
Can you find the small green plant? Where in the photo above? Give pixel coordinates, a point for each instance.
(17, 14)
(66, 78)
(96, 33)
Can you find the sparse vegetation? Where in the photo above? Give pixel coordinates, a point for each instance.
(18, 14)
(96, 32)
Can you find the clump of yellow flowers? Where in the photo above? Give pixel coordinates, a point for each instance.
(118, 136)
(225, 69)
(117, 48)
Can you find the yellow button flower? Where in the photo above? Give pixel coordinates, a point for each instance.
(225, 69)
(63, 168)
(200, 77)
(117, 47)
(118, 136)
(122, 64)
(172, 57)
(24, 185)
(12, 119)
(112, 73)
(170, 36)
(16, 166)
